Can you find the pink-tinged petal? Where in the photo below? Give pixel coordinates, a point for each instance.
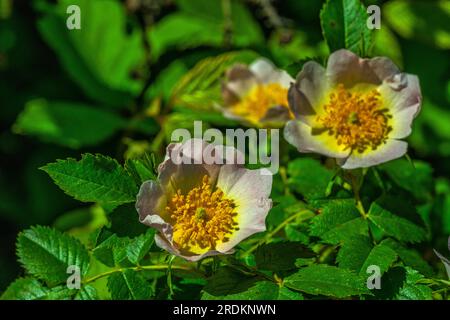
(300, 136)
(267, 72)
(239, 80)
(347, 68)
(391, 150)
(150, 204)
(239, 72)
(300, 105)
(166, 245)
(250, 190)
(312, 82)
(229, 96)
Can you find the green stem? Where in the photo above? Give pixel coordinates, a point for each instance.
(356, 185)
(138, 268)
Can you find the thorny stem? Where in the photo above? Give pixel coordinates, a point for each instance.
(138, 268)
(276, 230)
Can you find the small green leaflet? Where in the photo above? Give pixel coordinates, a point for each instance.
(47, 253)
(95, 178)
(129, 285)
(409, 257)
(358, 253)
(112, 251)
(338, 219)
(417, 177)
(328, 281)
(86, 293)
(394, 225)
(140, 246)
(411, 290)
(25, 289)
(344, 25)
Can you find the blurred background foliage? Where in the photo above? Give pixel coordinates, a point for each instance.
(123, 82)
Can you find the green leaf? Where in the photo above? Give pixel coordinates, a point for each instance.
(382, 256)
(410, 257)
(411, 290)
(280, 256)
(25, 289)
(308, 177)
(86, 293)
(101, 56)
(344, 25)
(141, 169)
(288, 294)
(229, 284)
(380, 213)
(95, 178)
(328, 281)
(112, 251)
(47, 253)
(338, 220)
(65, 123)
(200, 88)
(129, 285)
(353, 253)
(140, 246)
(417, 177)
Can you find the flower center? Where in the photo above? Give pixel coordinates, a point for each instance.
(202, 218)
(357, 120)
(259, 100)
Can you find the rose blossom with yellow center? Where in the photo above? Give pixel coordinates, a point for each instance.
(257, 94)
(356, 110)
(202, 209)
(202, 218)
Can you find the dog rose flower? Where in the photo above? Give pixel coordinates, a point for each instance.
(257, 94)
(356, 110)
(203, 209)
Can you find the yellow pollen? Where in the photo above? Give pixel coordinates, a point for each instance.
(202, 218)
(259, 100)
(357, 120)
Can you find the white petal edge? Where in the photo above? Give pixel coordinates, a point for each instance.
(391, 150)
(267, 72)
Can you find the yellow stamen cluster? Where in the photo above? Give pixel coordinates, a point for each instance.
(356, 119)
(259, 100)
(202, 218)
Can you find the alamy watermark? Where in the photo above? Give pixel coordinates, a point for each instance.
(256, 142)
